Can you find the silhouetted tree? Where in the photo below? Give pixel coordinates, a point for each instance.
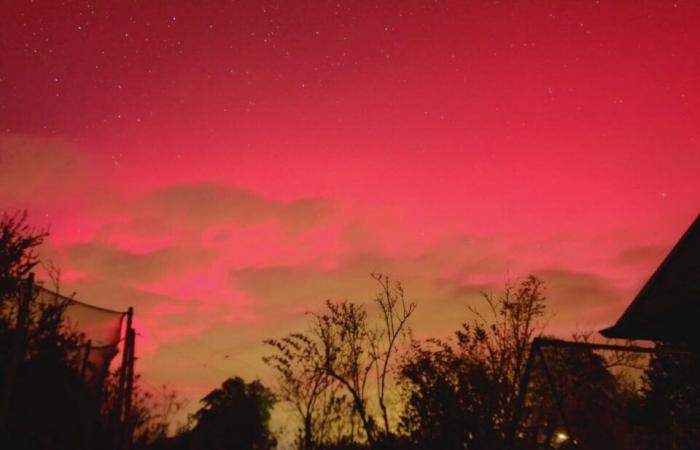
(668, 415)
(301, 380)
(593, 402)
(461, 394)
(336, 425)
(329, 368)
(235, 416)
(353, 348)
(149, 415)
(346, 340)
(448, 397)
(51, 404)
(161, 413)
(395, 312)
(18, 255)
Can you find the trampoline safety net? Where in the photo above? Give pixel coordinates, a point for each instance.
(99, 331)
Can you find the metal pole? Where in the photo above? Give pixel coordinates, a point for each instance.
(520, 399)
(128, 419)
(88, 424)
(119, 416)
(537, 343)
(122, 369)
(86, 356)
(557, 399)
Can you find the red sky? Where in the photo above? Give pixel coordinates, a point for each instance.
(224, 168)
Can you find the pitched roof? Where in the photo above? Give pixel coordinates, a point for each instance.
(668, 306)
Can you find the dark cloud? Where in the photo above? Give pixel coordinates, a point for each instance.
(113, 294)
(284, 293)
(440, 280)
(642, 255)
(105, 261)
(281, 290)
(203, 205)
(32, 169)
(579, 297)
(162, 319)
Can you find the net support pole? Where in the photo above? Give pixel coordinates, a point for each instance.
(86, 359)
(17, 352)
(128, 422)
(122, 369)
(88, 420)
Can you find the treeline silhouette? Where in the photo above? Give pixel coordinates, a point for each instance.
(357, 378)
(341, 373)
(48, 400)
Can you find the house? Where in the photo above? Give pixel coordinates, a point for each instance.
(668, 306)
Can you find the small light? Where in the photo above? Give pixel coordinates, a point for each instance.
(561, 437)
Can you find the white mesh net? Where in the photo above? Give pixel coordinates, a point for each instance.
(99, 330)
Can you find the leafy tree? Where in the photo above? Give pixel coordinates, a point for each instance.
(461, 394)
(593, 401)
(18, 254)
(50, 403)
(668, 415)
(234, 416)
(447, 396)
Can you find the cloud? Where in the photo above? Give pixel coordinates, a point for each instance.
(160, 319)
(573, 288)
(442, 280)
(641, 255)
(164, 251)
(36, 170)
(208, 204)
(213, 269)
(106, 261)
(580, 298)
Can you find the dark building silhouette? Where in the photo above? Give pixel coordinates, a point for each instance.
(668, 306)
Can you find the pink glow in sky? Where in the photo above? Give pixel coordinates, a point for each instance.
(225, 168)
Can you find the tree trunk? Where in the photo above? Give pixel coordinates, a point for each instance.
(385, 415)
(367, 425)
(308, 441)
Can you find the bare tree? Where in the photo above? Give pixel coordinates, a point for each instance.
(159, 416)
(325, 371)
(301, 378)
(346, 342)
(395, 313)
(503, 336)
